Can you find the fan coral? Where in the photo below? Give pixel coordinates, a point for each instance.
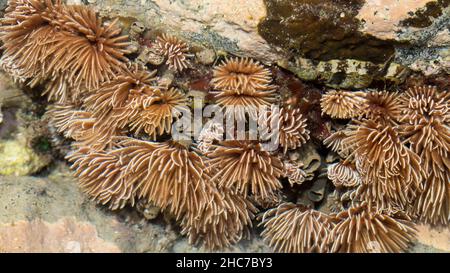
(294, 172)
(342, 104)
(382, 106)
(26, 34)
(158, 112)
(68, 45)
(168, 174)
(337, 142)
(221, 223)
(243, 84)
(239, 104)
(81, 126)
(175, 50)
(244, 166)
(292, 132)
(91, 51)
(363, 229)
(114, 103)
(426, 118)
(390, 168)
(101, 175)
(294, 228)
(242, 75)
(344, 174)
(210, 133)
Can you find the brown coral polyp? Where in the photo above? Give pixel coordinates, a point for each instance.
(101, 175)
(157, 113)
(246, 167)
(426, 127)
(382, 106)
(342, 104)
(290, 131)
(296, 229)
(168, 174)
(391, 169)
(68, 44)
(175, 51)
(243, 75)
(244, 84)
(362, 229)
(224, 221)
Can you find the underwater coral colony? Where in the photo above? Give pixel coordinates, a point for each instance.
(395, 163)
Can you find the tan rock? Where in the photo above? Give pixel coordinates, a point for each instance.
(230, 25)
(382, 17)
(65, 236)
(438, 238)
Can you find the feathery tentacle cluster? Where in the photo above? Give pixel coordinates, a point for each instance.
(337, 142)
(362, 229)
(426, 117)
(382, 106)
(296, 229)
(175, 50)
(242, 75)
(390, 168)
(101, 175)
(156, 114)
(170, 175)
(223, 222)
(246, 167)
(27, 34)
(244, 84)
(344, 174)
(342, 104)
(290, 130)
(294, 173)
(81, 126)
(67, 45)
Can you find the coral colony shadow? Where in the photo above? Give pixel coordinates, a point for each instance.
(224, 162)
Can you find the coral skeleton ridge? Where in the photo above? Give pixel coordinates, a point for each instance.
(391, 150)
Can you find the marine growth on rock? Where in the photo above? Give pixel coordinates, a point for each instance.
(266, 149)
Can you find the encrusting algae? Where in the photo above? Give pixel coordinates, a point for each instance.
(393, 153)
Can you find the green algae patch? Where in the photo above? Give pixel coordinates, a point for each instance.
(322, 30)
(17, 159)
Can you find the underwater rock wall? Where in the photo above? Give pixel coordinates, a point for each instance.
(51, 214)
(343, 44)
(347, 44)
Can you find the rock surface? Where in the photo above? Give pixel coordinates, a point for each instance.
(378, 34)
(382, 18)
(51, 215)
(438, 239)
(19, 131)
(377, 40)
(18, 159)
(422, 28)
(65, 236)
